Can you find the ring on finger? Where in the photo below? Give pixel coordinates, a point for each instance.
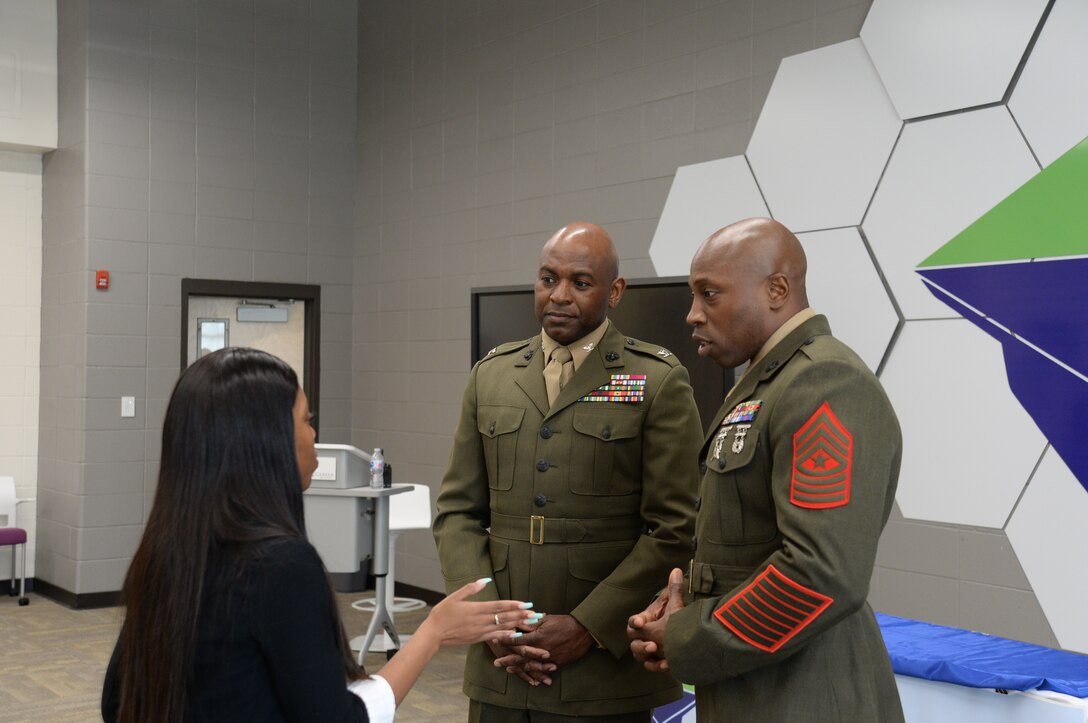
(497, 621)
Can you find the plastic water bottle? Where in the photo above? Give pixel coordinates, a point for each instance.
(377, 468)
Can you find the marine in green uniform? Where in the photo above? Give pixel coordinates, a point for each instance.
(800, 467)
(571, 482)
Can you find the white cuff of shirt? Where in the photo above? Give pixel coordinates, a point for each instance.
(377, 696)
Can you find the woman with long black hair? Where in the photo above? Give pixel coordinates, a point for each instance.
(229, 614)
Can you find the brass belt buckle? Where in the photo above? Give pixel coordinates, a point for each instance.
(536, 530)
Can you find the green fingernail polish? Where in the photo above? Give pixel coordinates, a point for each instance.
(484, 580)
(525, 606)
(517, 635)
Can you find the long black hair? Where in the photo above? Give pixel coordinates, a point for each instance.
(228, 481)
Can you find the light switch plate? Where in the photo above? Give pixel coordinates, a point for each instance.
(128, 406)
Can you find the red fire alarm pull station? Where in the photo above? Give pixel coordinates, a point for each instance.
(101, 279)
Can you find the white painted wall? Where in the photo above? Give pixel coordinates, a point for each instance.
(20, 331)
(28, 127)
(28, 75)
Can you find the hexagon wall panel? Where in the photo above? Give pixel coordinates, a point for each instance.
(943, 174)
(844, 285)
(977, 409)
(1047, 532)
(968, 445)
(703, 198)
(1050, 106)
(823, 138)
(936, 56)
(1018, 273)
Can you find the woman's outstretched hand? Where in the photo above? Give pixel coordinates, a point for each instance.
(456, 621)
(460, 621)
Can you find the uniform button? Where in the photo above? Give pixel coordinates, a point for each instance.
(810, 340)
(611, 356)
(702, 467)
(721, 463)
(546, 432)
(772, 366)
(606, 433)
(540, 499)
(528, 355)
(491, 429)
(630, 342)
(694, 542)
(698, 503)
(543, 465)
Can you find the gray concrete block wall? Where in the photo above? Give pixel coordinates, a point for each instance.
(197, 139)
(483, 126)
(243, 140)
(955, 575)
(63, 341)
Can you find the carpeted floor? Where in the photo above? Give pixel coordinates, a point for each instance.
(55, 658)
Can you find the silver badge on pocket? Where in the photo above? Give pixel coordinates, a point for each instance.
(738, 438)
(719, 441)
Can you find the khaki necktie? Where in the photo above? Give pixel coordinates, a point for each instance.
(558, 372)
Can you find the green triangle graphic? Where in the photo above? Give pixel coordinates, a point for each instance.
(1044, 218)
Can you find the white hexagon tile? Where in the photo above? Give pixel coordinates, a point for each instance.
(1049, 104)
(968, 445)
(837, 165)
(936, 56)
(823, 138)
(1047, 533)
(944, 174)
(864, 316)
(703, 198)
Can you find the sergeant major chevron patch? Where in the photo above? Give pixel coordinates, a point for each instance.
(823, 452)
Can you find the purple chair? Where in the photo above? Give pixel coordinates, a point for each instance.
(12, 535)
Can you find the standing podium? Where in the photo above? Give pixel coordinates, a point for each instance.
(344, 520)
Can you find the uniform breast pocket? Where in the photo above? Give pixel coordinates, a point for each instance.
(498, 428)
(737, 507)
(606, 451)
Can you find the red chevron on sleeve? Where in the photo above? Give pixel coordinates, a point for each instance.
(771, 610)
(823, 451)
